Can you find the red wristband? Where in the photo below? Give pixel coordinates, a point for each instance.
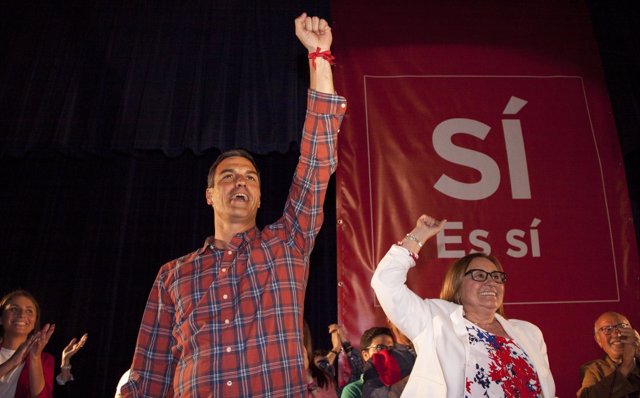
(322, 54)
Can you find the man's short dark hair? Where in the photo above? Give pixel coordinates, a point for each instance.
(229, 154)
(372, 333)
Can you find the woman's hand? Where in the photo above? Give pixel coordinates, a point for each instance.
(23, 349)
(72, 348)
(426, 227)
(18, 357)
(40, 340)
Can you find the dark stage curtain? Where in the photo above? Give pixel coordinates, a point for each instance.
(93, 77)
(615, 25)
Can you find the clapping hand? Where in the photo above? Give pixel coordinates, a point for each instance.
(631, 340)
(39, 340)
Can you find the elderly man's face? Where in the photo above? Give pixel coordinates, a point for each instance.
(610, 343)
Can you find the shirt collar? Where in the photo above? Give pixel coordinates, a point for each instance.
(238, 240)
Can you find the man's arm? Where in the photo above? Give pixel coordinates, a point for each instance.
(154, 360)
(315, 33)
(596, 382)
(303, 213)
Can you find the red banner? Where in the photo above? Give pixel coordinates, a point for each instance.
(493, 116)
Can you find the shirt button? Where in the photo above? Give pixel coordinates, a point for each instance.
(226, 321)
(224, 296)
(229, 383)
(228, 349)
(224, 270)
(229, 252)
(343, 105)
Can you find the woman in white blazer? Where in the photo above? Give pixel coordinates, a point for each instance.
(465, 345)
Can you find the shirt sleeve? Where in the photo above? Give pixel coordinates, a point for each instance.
(154, 358)
(356, 364)
(303, 213)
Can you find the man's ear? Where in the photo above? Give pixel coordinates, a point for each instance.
(207, 194)
(595, 337)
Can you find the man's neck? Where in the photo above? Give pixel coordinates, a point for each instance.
(615, 360)
(225, 231)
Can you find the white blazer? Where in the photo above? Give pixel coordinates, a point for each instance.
(436, 328)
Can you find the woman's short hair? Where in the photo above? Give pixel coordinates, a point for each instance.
(453, 279)
(17, 293)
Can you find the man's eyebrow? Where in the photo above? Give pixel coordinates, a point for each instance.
(226, 171)
(234, 170)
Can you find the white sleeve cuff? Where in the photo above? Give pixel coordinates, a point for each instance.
(62, 382)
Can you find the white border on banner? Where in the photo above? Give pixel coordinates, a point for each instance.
(595, 143)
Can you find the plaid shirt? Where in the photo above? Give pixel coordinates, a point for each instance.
(228, 323)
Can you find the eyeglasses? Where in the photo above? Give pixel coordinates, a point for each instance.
(609, 328)
(479, 275)
(379, 347)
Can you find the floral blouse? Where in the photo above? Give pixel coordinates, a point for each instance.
(498, 367)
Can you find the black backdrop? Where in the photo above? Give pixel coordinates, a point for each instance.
(111, 113)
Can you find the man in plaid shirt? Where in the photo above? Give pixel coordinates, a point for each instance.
(226, 319)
